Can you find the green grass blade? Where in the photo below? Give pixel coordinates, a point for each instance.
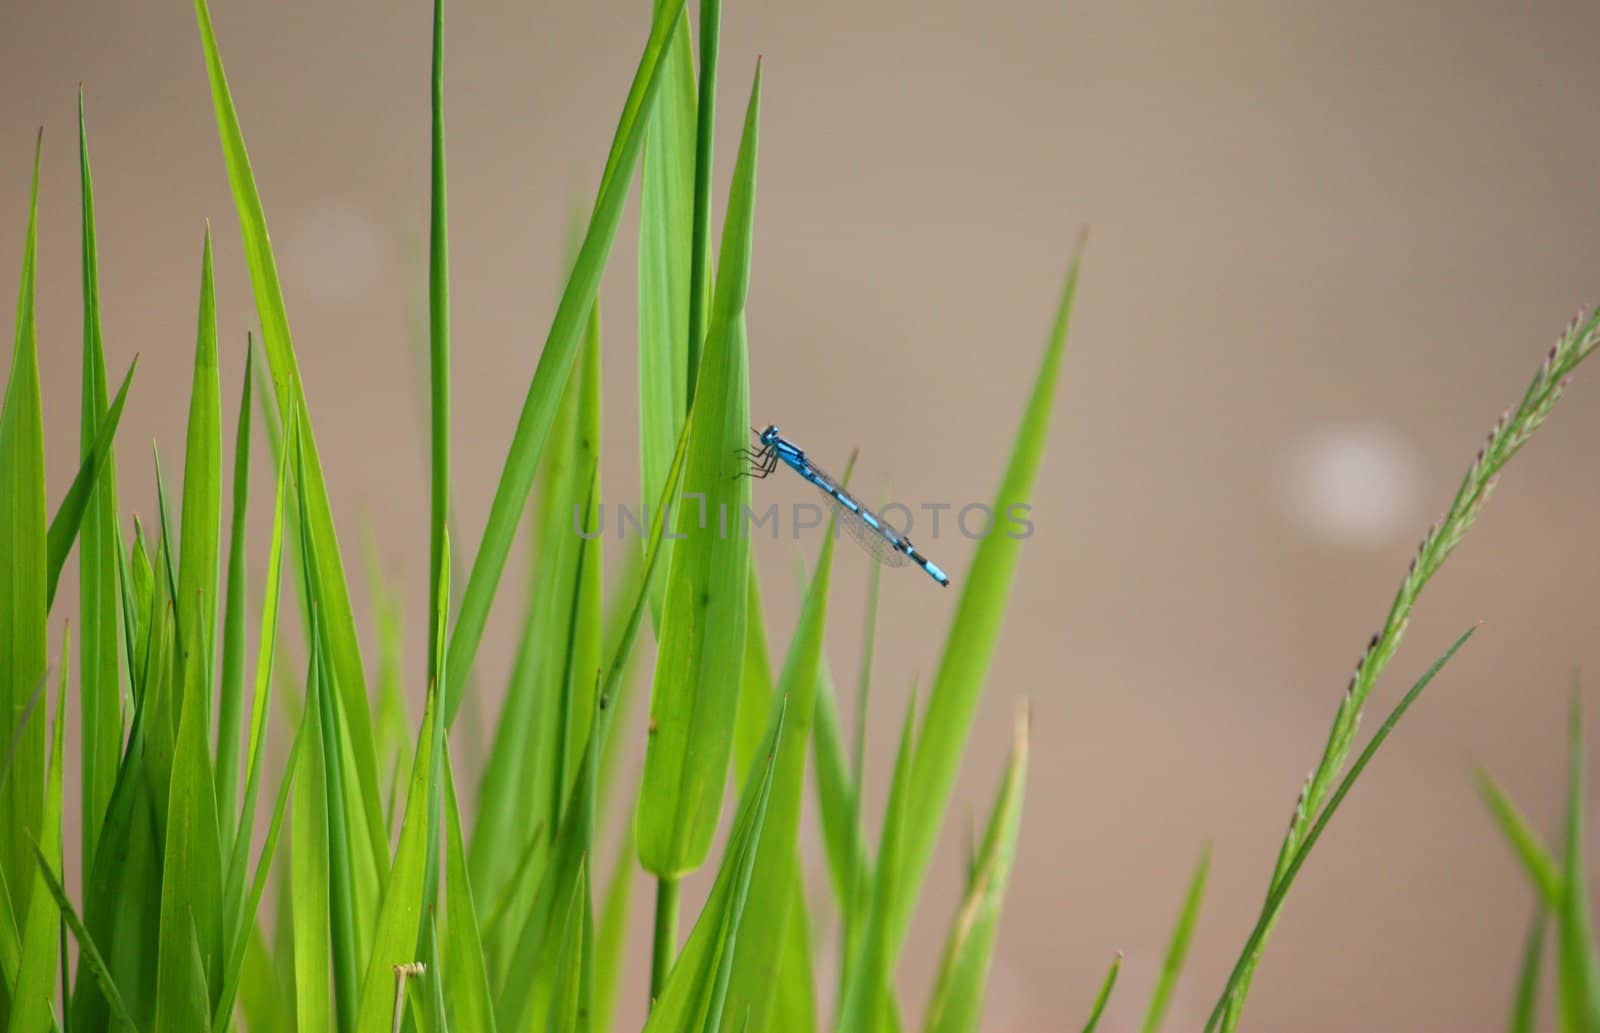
(22, 581)
(99, 673)
(957, 1002)
(1178, 946)
(1103, 996)
(1579, 969)
(691, 999)
(704, 159)
(464, 962)
(191, 876)
(569, 1004)
(701, 653)
(202, 498)
(88, 950)
(230, 690)
(975, 628)
(666, 213)
(1536, 861)
(67, 524)
(1280, 889)
(555, 362)
(308, 869)
(238, 946)
(338, 621)
(1525, 1006)
(395, 942)
(866, 989)
(438, 333)
(611, 935)
(838, 807)
(266, 650)
(41, 930)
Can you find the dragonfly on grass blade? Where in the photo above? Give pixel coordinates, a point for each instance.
(885, 544)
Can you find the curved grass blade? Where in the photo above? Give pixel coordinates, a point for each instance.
(1536, 861)
(957, 1002)
(1103, 996)
(1178, 946)
(438, 335)
(555, 362)
(1506, 438)
(1280, 890)
(66, 525)
(22, 579)
(701, 653)
(87, 949)
(975, 628)
(308, 891)
(337, 620)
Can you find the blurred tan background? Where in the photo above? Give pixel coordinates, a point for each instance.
(1329, 243)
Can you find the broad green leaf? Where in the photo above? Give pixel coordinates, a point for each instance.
(556, 360)
(464, 964)
(337, 619)
(694, 995)
(66, 525)
(99, 682)
(1579, 977)
(1275, 899)
(666, 212)
(837, 805)
(701, 653)
(87, 950)
(395, 942)
(202, 502)
(230, 692)
(975, 628)
(191, 877)
(1104, 995)
(22, 583)
(1525, 1006)
(865, 992)
(265, 998)
(1178, 946)
(1524, 842)
(31, 1009)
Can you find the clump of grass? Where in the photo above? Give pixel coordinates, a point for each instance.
(391, 912)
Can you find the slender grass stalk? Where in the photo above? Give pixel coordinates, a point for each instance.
(1505, 439)
(664, 940)
(438, 334)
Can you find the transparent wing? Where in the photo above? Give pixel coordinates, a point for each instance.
(879, 544)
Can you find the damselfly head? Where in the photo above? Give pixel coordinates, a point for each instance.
(769, 435)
